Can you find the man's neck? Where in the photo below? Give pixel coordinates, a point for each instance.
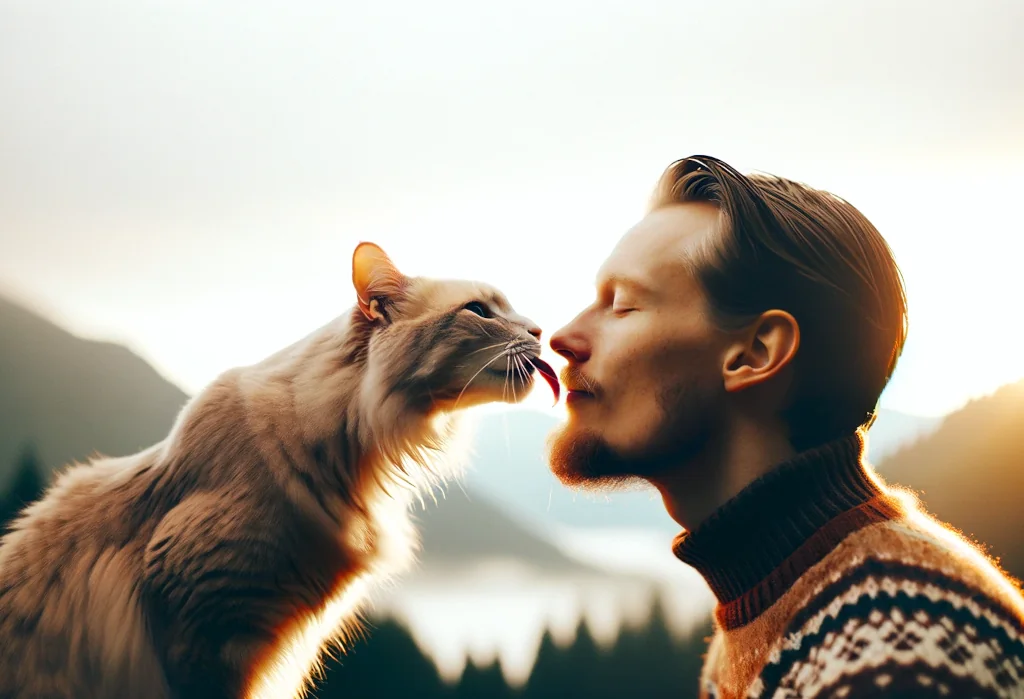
(721, 470)
(756, 545)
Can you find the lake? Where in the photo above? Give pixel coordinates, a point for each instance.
(501, 608)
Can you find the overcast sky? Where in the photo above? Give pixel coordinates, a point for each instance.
(190, 178)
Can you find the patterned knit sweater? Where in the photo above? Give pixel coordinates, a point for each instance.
(832, 584)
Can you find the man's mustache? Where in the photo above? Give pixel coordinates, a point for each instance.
(575, 380)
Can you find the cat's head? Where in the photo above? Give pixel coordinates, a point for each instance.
(445, 343)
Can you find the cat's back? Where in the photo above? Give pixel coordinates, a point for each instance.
(70, 613)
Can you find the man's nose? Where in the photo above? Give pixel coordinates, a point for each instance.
(570, 343)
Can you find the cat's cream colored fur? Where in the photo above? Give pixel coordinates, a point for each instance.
(221, 561)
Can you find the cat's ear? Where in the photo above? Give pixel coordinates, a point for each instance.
(376, 279)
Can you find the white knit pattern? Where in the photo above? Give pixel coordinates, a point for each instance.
(867, 644)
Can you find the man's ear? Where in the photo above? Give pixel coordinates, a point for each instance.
(376, 280)
(762, 352)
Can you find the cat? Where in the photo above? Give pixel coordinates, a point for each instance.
(224, 560)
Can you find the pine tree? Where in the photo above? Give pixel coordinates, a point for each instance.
(549, 675)
(387, 663)
(645, 662)
(574, 671)
(26, 487)
(487, 681)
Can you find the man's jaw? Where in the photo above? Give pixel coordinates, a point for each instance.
(581, 459)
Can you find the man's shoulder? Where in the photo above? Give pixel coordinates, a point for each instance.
(906, 608)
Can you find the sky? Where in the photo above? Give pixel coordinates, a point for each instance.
(190, 178)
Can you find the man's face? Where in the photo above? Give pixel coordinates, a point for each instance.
(644, 373)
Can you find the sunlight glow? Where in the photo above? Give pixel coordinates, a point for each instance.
(977, 561)
(287, 674)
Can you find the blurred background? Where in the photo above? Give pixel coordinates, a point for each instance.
(182, 184)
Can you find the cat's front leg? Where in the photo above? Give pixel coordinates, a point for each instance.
(230, 578)
(211, 582)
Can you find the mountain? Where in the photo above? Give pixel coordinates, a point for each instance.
(467, 528)
(72, 397)
(894, 430)
(970, 472)
(69, 398)
(510, 467)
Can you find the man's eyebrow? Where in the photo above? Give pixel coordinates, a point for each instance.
(617, 280)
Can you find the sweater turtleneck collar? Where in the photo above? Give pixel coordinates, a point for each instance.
(755, 546)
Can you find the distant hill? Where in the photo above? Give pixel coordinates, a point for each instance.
(894, 430)
(466, 528)
(511, 468)
(970, 472)
(71, 397)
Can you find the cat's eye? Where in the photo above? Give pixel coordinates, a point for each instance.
(478, 308)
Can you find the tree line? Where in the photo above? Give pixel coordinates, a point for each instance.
(645, 662)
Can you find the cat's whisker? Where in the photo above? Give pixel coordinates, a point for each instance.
(515, 374)
(523, 369)
(473, 378)
(488, 347)
(586, 382)
(521, 360)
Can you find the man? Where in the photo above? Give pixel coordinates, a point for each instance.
(733, 358)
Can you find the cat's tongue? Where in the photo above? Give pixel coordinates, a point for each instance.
(545, 370)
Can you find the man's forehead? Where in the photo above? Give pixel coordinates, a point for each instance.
(661, 244)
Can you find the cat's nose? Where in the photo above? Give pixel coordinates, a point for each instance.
(529, 325)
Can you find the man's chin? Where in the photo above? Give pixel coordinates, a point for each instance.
(582, 459)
